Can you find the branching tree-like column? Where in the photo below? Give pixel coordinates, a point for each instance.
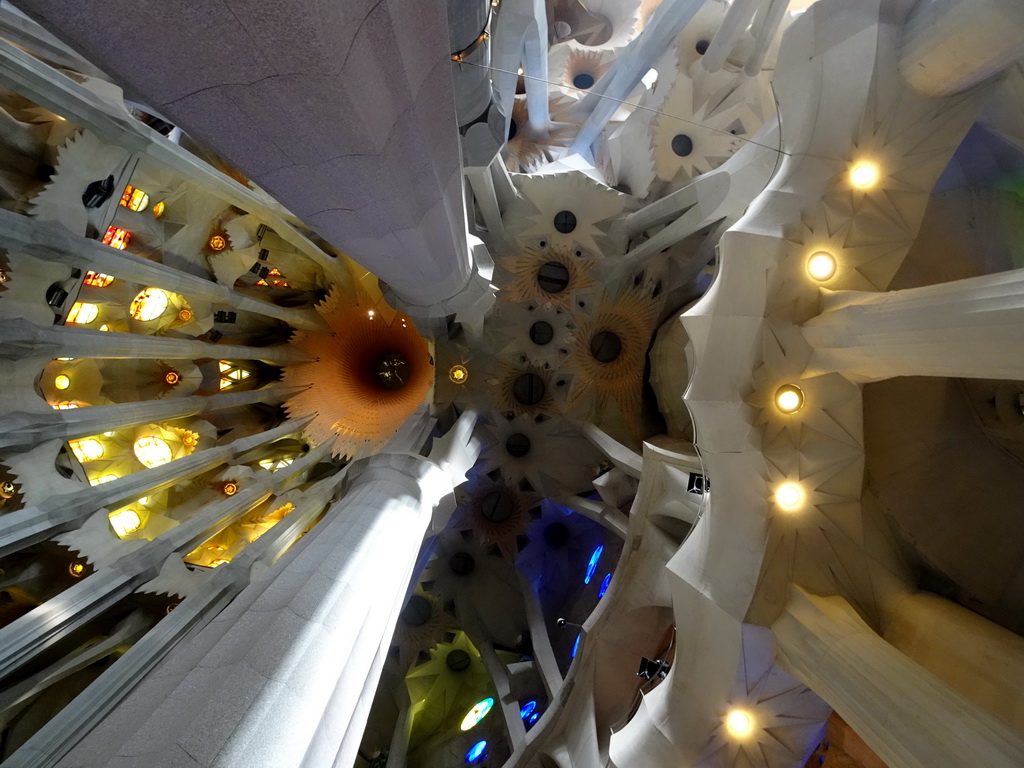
(23, 639)
(49, 241)
(68, 727)
(46, 86)
(909, 717)
(288, 671)
(20, 339)
(970, 328)
(61, 511)
(20, 429)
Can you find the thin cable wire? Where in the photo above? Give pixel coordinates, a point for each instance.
(637, 106)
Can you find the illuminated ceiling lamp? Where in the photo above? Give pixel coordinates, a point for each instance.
(365, 379)
(217, 243)
(739, 724)
(789, 398)
(864, 175)
(62, 381)
(458, 374)
(789, 496)
(821, 266)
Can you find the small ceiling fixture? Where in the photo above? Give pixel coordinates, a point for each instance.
(789, 398)
(458, 374)
(821, 266)
(739, 724)
(789, 496)
(864, 175)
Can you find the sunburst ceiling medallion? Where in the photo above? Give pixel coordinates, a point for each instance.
(370, 373)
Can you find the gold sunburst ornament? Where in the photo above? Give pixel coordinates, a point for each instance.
(549, 276)
(368, 375)
(608, 351)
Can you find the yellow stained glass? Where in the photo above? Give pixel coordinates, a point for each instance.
(152, 451)
(125, 522)
(149, 304)
(86, 450)
(82, 313)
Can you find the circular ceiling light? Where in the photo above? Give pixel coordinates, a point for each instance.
(821, 265)
(62, 381)
(458, 374)
(789, 398)
(789, 496)
(864, 175)
(739, 724)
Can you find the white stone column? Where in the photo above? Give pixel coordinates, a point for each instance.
(306, 641)
(950, 45)
(735, 23)
(37, 522)
(633, 63)
(971, 328)
(127, 631)
(23, 639)
(20, 339)
(909, 717)
(72, 724)
(49, 241)
(22, 429)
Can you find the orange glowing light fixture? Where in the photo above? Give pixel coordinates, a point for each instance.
(459, 374)
(218, 243)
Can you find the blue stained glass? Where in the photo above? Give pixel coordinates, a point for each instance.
(575, 647)
(533, 718)
(592, 566)
(527, 709)
(604, 585)
(476, 752)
